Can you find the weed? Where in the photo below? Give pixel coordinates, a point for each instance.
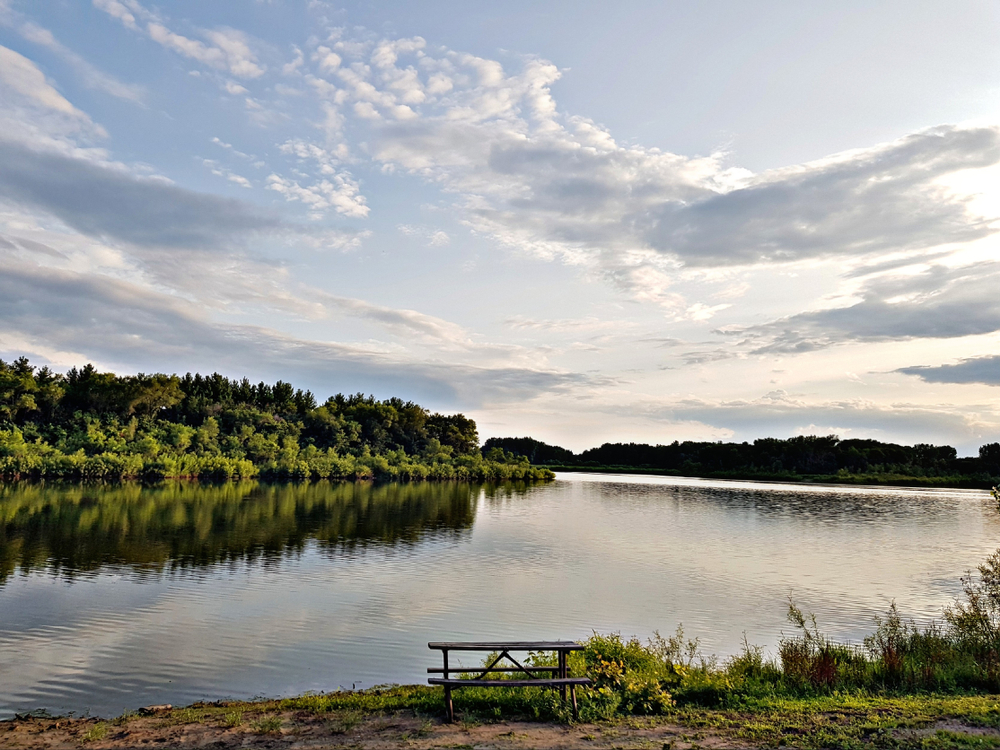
(267, 724)
(124, 719)
(345, 722)
(233, 718)
(97, 732)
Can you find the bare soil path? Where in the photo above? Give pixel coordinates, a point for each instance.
(279, 730)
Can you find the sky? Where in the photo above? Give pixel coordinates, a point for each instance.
(585, 222)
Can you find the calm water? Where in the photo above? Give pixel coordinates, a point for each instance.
(114, 598)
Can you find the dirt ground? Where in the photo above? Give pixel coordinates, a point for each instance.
(216, 726)
(308, 730)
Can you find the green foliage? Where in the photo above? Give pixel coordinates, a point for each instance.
(267, 725)
(96, 733)
(99, 426)
(812, 457)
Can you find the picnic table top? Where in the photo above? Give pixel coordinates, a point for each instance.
(507, 646)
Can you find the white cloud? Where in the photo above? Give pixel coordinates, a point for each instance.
(338, 192)
(23, 76)
(34, 113)
(405, 322)
(121, 11)
(561, 187)
(292, 67)
(326, 60)
(434, 237)
(219, 171)
(226, 49)
(229, 147)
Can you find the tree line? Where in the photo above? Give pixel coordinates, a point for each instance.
(827, 457)
(96, 425)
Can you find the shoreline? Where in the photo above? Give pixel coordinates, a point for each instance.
(412, 716)
(853, 480)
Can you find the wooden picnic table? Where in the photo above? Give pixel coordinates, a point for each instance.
(535, 676)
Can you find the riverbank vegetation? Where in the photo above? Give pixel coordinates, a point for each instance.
(92, 425)
(797, 459)
(410, 717)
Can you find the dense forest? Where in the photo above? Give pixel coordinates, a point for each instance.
(87, 424)
(817, 458)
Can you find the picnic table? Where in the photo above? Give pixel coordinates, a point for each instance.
(534, 676)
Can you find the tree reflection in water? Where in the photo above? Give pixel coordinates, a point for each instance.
(71, 529)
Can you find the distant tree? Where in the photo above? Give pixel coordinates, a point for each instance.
(150, 394)
(455, 430)
(534, 450)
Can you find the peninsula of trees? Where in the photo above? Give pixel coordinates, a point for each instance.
(88, 424)
(807, 458)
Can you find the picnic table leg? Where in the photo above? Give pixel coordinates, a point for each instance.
(572, 692)
(562, 673)
(447, 690)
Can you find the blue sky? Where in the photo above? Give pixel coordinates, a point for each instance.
(578, 221)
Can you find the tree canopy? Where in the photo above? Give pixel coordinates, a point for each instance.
(90, 423)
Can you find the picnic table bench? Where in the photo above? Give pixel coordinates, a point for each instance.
(535, 676)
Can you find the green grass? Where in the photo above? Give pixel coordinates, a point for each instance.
(267, 724)
(855, 721)
(843, 720)
(124, 719)
(97, 732)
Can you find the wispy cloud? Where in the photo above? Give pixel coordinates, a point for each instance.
(121, 324)
(223, 49)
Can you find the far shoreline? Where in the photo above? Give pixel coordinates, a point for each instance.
(851, 480)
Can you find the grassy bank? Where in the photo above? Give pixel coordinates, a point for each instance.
(21, 460)
(411, 716)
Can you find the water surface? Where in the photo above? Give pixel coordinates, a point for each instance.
(117, 597)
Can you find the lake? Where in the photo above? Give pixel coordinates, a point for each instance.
(115, 597)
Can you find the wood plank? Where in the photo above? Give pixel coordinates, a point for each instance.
(438, 670)
(542, 682)
(508, 645)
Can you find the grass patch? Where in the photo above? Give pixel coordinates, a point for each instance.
(97, 732)
(125, 718)
(267, 724)
(345, 721)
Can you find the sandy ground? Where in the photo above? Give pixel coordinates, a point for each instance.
(308, 730)
(182, 728)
